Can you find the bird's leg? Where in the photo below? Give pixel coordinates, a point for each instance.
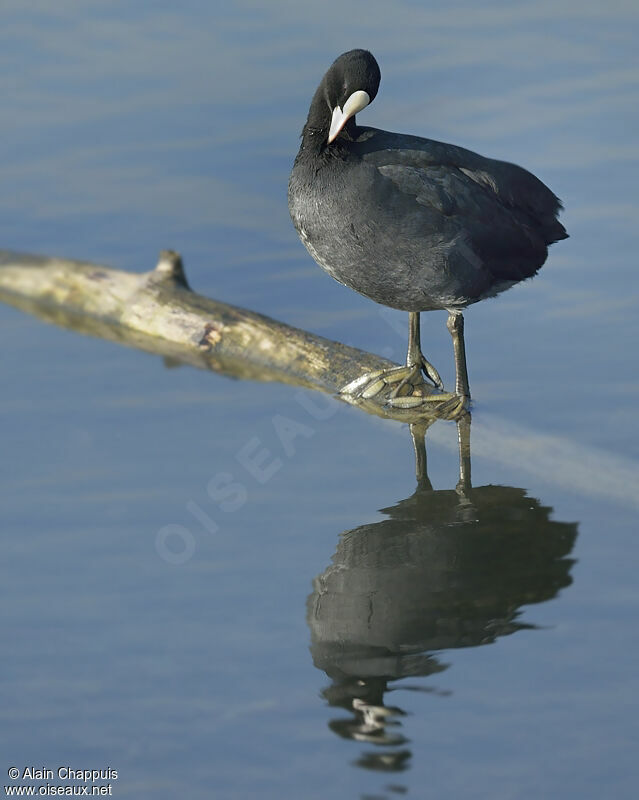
(403, 380)
(415, 360)
(412, 372)
(414, 354)
(455, 324)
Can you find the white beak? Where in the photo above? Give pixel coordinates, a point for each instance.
(356, 102)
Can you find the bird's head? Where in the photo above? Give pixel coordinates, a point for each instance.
(350, 85)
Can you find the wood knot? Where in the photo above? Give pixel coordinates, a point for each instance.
(211, 336)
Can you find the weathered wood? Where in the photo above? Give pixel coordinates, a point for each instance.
(158, 312)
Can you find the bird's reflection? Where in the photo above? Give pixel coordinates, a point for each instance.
(445, 569)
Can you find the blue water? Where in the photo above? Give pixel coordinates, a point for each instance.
(215, 610)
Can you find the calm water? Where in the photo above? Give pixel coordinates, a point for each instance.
(324, 629)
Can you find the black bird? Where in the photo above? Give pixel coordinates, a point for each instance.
(412, 223)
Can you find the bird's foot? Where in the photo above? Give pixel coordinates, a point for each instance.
(444, 405)
(404, 389)
(401, 381)
(399, 386)
(431, 373)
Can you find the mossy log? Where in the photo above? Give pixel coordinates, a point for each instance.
(158, 312)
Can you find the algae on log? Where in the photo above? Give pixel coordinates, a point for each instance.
(158, 312)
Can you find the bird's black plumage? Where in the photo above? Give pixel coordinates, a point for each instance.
(412, 223)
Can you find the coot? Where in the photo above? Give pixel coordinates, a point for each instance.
(412, 223)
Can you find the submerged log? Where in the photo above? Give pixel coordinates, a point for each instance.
(158, 312)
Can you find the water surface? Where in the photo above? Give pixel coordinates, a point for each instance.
(325, 628)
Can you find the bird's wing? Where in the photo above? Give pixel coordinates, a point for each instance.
(504, 239)
(452, 177)
(443, 188)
